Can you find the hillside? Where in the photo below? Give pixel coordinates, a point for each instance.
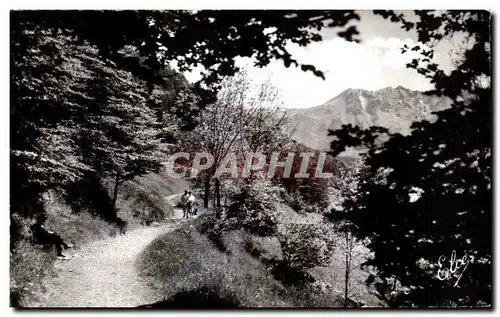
(393, 108)
(190, 270)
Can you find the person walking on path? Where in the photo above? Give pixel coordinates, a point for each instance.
(190, 203)
(184, 200)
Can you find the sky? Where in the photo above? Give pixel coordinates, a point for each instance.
(373, 64)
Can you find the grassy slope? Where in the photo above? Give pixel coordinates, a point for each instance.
(186, 261)
(184, 264)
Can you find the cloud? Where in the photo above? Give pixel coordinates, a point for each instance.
(371, 65)
(389, 50)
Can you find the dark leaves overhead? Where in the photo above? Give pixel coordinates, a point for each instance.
(204, 37)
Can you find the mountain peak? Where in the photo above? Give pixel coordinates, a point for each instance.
(349, 91)
(394, 108)
(359, 90)
(398, 88)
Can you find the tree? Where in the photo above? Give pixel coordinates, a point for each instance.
(77, 117)
(346, 189)
(347, 186)
(43, 152)
(242, 121)
(120, 133)
(428, 195)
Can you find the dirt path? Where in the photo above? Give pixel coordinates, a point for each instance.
(103, 273)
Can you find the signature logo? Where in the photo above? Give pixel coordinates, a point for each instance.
(456, 266)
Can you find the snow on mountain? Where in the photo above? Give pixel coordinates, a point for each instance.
(392, 108)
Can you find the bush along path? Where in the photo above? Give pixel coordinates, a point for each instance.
(103, 273)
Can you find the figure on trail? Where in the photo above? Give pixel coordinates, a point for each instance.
(184, 199)
(46, 237)
(190, 203)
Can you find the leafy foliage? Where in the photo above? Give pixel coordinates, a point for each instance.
(77, 118)
(254, 207)
(310, 193)
(43, 152)
(81, 114)
(306, 245)
(347, 187)
(118, 132)
(244, 120)
(209, 38)
(429, 193)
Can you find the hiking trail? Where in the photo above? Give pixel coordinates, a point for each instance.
(103, 273)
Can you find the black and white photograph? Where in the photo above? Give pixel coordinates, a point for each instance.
(178, 159)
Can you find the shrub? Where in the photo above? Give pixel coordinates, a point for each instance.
(254, 207)
(213, 229)
(142, 199)
(306, 195)
(315, 194)
(306, 245)
(294, 200)
(315, 295)
(264, 248)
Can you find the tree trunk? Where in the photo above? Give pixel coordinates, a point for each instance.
(346, 287)
(115, 191)
(207, 191)
(217, 199)
(347, 269)
(217, 192)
